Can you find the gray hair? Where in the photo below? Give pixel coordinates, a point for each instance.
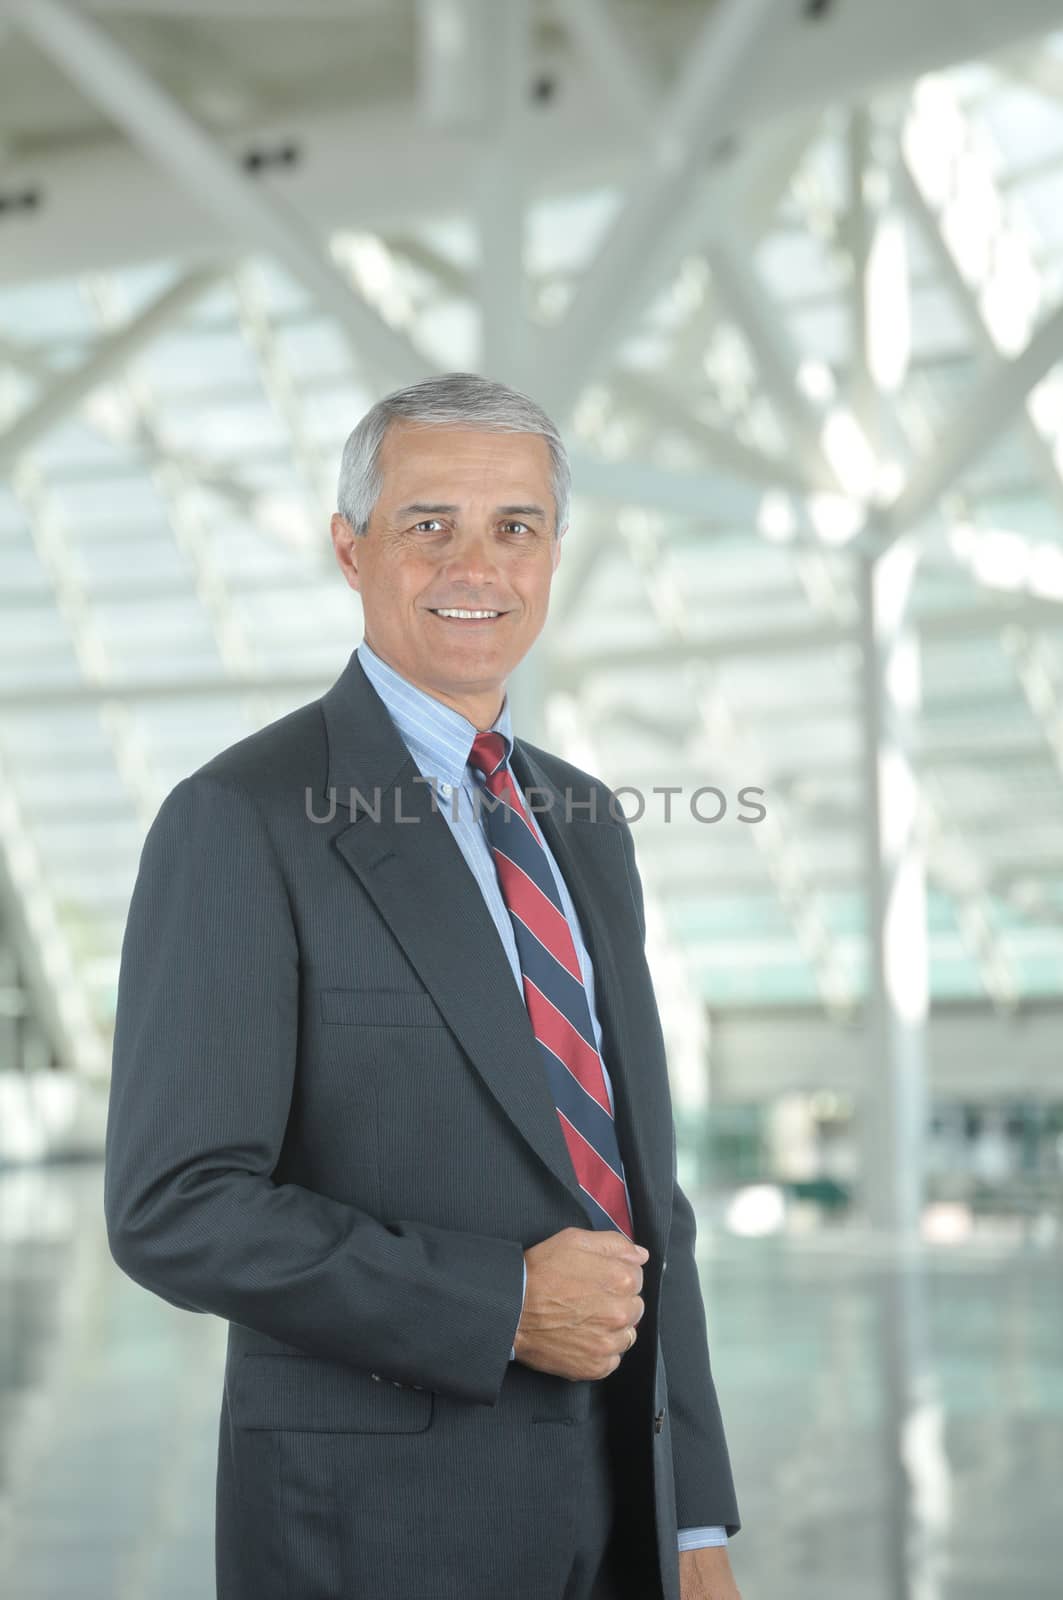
(452, 399)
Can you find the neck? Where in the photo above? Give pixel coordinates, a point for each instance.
(480, 706)
(480, 709)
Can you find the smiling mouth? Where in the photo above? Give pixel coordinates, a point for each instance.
(467, 615)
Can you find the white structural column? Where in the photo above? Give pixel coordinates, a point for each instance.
(448, 63)
(882, 338)
(474, 77)
(894, 1105)
(892, 1080)
(176, 142)
(505, 32)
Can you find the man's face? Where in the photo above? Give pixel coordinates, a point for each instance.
(464, 520)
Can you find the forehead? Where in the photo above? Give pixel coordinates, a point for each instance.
(412, 455)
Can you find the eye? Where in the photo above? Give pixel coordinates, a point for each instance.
(427, 522)
(523, 525)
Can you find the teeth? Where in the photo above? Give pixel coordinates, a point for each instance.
(453, 612)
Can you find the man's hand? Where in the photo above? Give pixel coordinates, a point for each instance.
(705, 1574)
(581, 1303)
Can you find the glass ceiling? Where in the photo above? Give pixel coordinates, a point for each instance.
(174, 532)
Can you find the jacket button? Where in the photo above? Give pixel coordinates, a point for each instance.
(658, 1422)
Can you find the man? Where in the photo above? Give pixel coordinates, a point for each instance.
(389, 1091)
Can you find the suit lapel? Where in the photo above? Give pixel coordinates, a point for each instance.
(411, 866)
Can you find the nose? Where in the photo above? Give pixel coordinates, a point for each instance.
(471, 563)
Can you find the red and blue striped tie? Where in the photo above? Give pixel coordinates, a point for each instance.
(553, 990)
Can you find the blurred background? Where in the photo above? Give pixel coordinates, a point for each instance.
(790, 278)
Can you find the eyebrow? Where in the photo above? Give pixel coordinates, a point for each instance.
(422, 508)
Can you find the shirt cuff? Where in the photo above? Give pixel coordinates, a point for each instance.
(696, 1538)
(523, 1291)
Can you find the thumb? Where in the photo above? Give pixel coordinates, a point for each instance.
(618, 1244)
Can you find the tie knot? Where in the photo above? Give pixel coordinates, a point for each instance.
(488, 752)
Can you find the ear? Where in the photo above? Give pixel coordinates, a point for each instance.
(346, 542)
(557, 547)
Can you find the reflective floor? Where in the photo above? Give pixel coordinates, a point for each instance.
(894, 1433)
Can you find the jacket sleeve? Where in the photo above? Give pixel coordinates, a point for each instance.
(203, 1071)
(704, 1488)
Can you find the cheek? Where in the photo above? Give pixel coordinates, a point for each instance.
(397, 585)
(538, 590)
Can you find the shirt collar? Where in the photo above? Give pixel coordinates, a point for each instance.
(438, 737)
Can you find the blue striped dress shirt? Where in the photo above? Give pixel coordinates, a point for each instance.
(439, 739)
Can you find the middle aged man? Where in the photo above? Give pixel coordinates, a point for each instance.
(390, 1094)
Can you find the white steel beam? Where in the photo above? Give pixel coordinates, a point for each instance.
(448, 62)
(109, 202)
(850, 46)
(675, 394)
(194, 541)
(611, 57)
(683, 1014)
(760, 1054)
(29, 917)
(941, 169)
(106, 197)
(586, 547)
(796, 638)
(316, 475)
(711, 497)
(722, 448)
(952, 864)
(221, 481)
(638, 249)
(1036, 68)
(155, 121)
(731, 257)
(109, 357)
(649, 398)
(993, 405)
(236, 10)
(881, 281)
(56, 962)
(94, 691)
(773, 837)
(859, 237)
(777, 840)
(966, 302)
(1035, 668)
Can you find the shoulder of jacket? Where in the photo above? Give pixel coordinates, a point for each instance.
(560, 771)
(276, 761)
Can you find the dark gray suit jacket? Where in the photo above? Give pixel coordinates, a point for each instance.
(329, 1123)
